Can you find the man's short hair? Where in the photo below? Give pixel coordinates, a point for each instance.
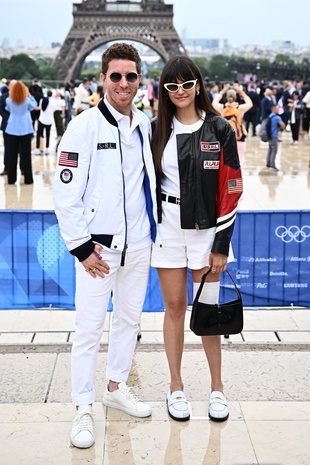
(123, 51)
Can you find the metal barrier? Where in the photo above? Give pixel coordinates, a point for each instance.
(271, 269)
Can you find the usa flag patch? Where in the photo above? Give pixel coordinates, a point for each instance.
(68, 159)
(235, 186)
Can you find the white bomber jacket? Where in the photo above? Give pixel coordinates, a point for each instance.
(89, 192)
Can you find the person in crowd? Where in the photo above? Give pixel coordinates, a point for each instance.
(3, 85)
(250, 116)
(36, 90)
(59, 113)
(95, 97)
(155, 95)
(4, 120)
(199, 185)
(306, 120)
(48, 105)
(232, 96)
(150, 95)
(295, 105)
(19, 131)
(266, 103)
(93, 84)
(66, 95)
(138, 98)
(82, 93)
(71, 88)
(105, 201)
(286, 96)
(276, 124)
(206, 82)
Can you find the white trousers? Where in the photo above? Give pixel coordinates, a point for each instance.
(129, 285)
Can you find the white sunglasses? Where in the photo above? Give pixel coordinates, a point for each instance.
(174, 87)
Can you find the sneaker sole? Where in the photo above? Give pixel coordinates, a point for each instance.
(123, 409)
(83, 445)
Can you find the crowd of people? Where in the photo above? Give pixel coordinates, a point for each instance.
(133, 190)
(253, 102)
(28, 114)
(250, 103)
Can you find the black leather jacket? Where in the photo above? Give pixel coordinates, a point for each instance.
(210, 180)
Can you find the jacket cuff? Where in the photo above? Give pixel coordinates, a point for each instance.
(220, 247)
(83, 251)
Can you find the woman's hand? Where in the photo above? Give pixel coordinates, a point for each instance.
(217, 262)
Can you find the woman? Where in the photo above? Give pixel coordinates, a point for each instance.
(95, 97)
(20, 131)
(240, 109)
(199, 184)
(48, 106)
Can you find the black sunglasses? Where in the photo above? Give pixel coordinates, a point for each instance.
(130, 77)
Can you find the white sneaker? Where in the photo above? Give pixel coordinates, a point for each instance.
(36, 152)
(124, 399)
(218, 410)
(177, 406)
(47, 151)
(82, 432)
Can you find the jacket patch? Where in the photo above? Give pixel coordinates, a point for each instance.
(68, 159)
(106, 145)
(66, 176)
(210, 146)
(211, 165)
(234, 186)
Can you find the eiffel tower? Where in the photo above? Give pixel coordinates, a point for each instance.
(96, 22)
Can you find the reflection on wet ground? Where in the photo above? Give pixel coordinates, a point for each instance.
(264, 189)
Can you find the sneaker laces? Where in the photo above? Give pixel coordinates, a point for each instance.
(84, 422)
(130, 396)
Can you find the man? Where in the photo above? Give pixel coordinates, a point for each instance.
(105, 201)
(276, 124)
(266, 104)
(251, 115)
(93, 84)
(82, 93)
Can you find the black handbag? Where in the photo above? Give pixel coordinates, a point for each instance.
(217, 319)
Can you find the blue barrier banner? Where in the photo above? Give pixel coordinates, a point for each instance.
(271, 267)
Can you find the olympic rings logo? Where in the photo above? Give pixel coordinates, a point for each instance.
(293, 233)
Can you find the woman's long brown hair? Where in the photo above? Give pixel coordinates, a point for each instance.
(183, 69)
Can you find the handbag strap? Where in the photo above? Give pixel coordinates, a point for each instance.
(203, 281)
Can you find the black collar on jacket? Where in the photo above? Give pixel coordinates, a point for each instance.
(106, 113)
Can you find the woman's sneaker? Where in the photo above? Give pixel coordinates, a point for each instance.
(82, 432)
(218, 410)
(177, 406)
(124, 399)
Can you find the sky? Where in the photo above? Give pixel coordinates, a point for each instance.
(241, 22)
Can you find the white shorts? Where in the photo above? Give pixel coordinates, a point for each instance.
(181, 248)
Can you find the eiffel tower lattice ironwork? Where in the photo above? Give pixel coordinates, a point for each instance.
(96, 22)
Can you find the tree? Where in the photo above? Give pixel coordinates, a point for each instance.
(202, 64)
(218, 68)
(19, 67)
(282, 59)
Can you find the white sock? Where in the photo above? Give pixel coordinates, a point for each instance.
(209, 294)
